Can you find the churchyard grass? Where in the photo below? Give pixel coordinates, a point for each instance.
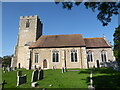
(102, 77)
(70, 79)
(106, 78)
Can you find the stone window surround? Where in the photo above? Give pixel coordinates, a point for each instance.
(90, 56)
(36, 57)
(104, 57)
(55, 52)
(75, 58)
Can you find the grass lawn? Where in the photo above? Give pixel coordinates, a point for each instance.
(102, 77)
(106, 78)
(70, 79)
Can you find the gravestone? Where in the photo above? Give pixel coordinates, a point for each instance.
(65, 69)
(34, 84)
(34, 76)
(53, 68)
(21, 79)
(14, 68)
(35, 67)
(19, 73)
(62, 70)
(40, 75)
(9, 69)
(4, 69)
(39, 68)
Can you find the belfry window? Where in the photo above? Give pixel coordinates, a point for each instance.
(103, 56)
(73, 55)
(89, 56)
(36, 57)
(27, 23)
(55, 56)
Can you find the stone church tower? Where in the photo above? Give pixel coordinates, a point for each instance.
(30, 29)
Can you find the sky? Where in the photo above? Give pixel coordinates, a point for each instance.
(55, 19)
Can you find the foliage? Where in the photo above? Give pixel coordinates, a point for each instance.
(6, 60)
(117, 43)
(106, 9)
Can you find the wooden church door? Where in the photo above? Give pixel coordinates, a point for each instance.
(45, 63)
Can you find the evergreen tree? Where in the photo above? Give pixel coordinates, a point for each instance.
(117, 43)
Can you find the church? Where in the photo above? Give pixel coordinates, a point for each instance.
(57, 51)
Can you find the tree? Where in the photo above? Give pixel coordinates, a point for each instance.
(106, 9)
(6, 60)
(117, 43)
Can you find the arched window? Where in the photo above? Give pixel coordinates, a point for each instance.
(73, 55)
(103, 56)
(27, 23)
(89, 56)
(55, 56)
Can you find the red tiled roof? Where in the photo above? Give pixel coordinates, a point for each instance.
(70, 40)
(96, 42)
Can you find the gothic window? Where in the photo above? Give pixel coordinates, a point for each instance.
(103, 56)
(36, 57)
(55, 56)
(73, 55)
(89, 56)
(27, 23)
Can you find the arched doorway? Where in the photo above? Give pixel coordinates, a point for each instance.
(98, 65)
(45, 63)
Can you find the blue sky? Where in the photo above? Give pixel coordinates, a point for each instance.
(55, 19)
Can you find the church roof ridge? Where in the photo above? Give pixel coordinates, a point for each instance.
(62, 35)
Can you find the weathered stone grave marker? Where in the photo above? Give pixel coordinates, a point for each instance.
(62, 70)
(9, 69)
(19, 73)
(21, 79)
(4, 69)
(40, 74)
(14, 68)
(34, 76)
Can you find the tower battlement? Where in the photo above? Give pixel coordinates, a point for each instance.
(29, 17)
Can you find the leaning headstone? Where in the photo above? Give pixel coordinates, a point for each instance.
(34, 76)
(40, 75)
(19, 73)
(21, 79)
(34, 84)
